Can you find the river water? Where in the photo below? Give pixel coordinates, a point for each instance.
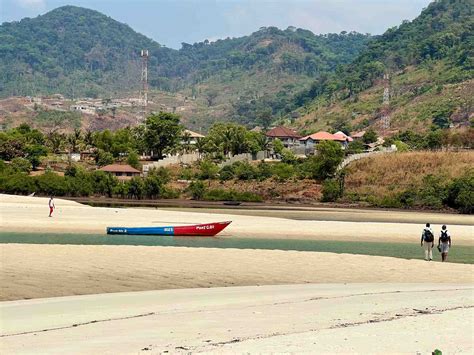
(460, 254)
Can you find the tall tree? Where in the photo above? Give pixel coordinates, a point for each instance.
(163, 132)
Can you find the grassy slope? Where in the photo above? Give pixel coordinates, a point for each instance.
(387, 175)
(415, 96)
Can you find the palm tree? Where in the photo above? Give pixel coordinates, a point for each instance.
(74, 139)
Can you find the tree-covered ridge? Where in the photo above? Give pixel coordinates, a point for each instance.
(431, 77)
(71, 50)
(292, 50)
(444, 31)
(81, 52)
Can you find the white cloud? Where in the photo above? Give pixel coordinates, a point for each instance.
(32, 4)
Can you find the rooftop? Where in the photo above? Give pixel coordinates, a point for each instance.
(324, 136)
(283, 132)
(193, 134)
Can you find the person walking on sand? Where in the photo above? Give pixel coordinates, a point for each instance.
(427, 242)
(444, 242)
(51, 206)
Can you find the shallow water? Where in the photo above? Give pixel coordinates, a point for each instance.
(459, 254)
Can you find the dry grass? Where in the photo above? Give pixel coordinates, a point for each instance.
(387, 174)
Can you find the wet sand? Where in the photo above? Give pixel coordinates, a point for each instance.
(323, 318)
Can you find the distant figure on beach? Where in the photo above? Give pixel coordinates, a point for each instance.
(51, 206)
(427, 242)
(444, 243)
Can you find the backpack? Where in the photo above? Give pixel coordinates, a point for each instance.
(444, 236)
(428, 236)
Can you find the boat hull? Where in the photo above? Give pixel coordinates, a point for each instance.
(198, 230)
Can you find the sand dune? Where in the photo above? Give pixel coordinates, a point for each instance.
(335, 318)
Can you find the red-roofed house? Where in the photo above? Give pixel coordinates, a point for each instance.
(286, 135)
(122, 172)
(310, 141)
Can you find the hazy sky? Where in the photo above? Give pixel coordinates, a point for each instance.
(171, 22)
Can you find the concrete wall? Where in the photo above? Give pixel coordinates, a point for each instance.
(172, 160)
(359, 156)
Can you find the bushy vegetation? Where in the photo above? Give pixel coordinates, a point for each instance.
(432, 180)
(77, 182)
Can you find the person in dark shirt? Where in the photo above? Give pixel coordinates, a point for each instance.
(444, 243)
(427, 242)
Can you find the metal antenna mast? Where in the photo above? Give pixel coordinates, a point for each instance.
(144, 84)
(385, 120)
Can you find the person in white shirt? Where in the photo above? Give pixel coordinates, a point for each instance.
(427, 242)
(51, 206)
(444, 243)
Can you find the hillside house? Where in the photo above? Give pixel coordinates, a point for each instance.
(191, 137)
(310, 142)
(122, 172)
(288, 137)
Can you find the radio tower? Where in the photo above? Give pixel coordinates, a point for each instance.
(144, 84)
(385, 120)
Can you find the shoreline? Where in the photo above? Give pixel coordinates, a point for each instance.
(29, 214)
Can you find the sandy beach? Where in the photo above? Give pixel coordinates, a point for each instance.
(29, 214)
(323, 318)
(84, 299)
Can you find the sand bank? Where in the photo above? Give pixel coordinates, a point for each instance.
(335, 318)
(37, 271)
(29, 214)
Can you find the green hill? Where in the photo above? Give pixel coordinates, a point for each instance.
(82, 53)
(431, 66)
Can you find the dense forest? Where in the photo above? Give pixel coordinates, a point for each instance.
(424, 56)
(82, 53)
(330, 81)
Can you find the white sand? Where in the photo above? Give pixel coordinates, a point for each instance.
(29, 214)
(34, 271)
(389, 315)
(335, 318)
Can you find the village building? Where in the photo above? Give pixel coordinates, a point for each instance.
(191, 137)
(122, 172)
(310, 142)
(357, 135)
(286, 135)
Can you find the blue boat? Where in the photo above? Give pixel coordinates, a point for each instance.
(198, 230)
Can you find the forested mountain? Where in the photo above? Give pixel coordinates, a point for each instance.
(430, 61)
(80, 52)
(73, 51)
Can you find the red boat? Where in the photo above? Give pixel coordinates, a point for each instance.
(197, 230)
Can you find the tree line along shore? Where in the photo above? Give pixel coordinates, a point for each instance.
(424, 173)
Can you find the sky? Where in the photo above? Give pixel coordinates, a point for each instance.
(170, 22)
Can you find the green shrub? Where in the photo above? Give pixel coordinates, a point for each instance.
(288, 157)
(331, 190)
(18, 184)
(20, 165)
(264, 171)
(51, 184)
(208, 170)
(227, 173)
(282, 171)
(245, 171)
(401, 146)
(461, 193)
(197, 190)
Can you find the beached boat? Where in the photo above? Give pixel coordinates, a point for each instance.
(197, 230)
